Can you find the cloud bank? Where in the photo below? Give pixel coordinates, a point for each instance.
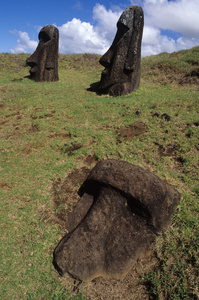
(24, 43)
(164, 20)
(82, 37)
(169, 26)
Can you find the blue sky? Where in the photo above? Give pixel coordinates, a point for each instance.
(87, 26)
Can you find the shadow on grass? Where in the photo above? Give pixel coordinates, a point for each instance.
(95, 87)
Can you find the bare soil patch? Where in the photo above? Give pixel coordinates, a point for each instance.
(27, 151)
(69, 150)
(129, 132)
(89, 160)
(34, 128)
(2, 123)
(5, 185)
(63, 135)
(171, 151)
(65, 195)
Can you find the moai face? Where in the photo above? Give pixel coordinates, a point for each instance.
(122, 61)
(44, 61)
(121, 209)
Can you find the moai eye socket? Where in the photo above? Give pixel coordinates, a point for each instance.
(44, 37)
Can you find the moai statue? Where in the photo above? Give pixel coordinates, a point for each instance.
(123, 59)
(121, 210)
(44, 61)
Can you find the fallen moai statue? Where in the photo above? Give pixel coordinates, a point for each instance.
(122, 61)
(121, 210)
(44, 61)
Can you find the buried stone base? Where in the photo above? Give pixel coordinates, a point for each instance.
(121, 209)
(131, 287)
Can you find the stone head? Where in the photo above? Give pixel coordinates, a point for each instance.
(44, 61)
(122, 60)
(121, 209)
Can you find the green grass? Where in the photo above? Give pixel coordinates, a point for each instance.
(179, 67)
(40, 122)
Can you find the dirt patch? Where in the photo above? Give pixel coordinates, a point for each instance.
(5, 185)
(71, 149)
(171, 151)
(168, 150)
(65, 195)
(12, 115)
(63, 135)
(27, 151)
(2, 123)
(89, 160)
(131, 131)
(34, 128)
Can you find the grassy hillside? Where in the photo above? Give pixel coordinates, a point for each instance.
(52, 134)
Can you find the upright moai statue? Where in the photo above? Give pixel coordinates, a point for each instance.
(122, 61)
(44, 61)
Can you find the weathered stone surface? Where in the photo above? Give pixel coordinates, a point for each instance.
(44, 61)
(122, 61)
(121, 210)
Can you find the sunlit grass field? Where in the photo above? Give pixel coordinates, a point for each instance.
(50, 129)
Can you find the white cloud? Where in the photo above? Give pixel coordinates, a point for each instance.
(154, 42)
(76, 36)
(80, 37)
(180, 16)
(24, 44)
(106, 21)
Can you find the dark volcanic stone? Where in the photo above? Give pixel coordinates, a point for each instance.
(166, 117)
(121, 210)
(44, 61)
(156, 114)
(122, 61)
(138, 112)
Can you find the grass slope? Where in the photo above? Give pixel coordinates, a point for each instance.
(51, 129)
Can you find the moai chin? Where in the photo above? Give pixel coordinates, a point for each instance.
(122, 61)
(44, 61)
